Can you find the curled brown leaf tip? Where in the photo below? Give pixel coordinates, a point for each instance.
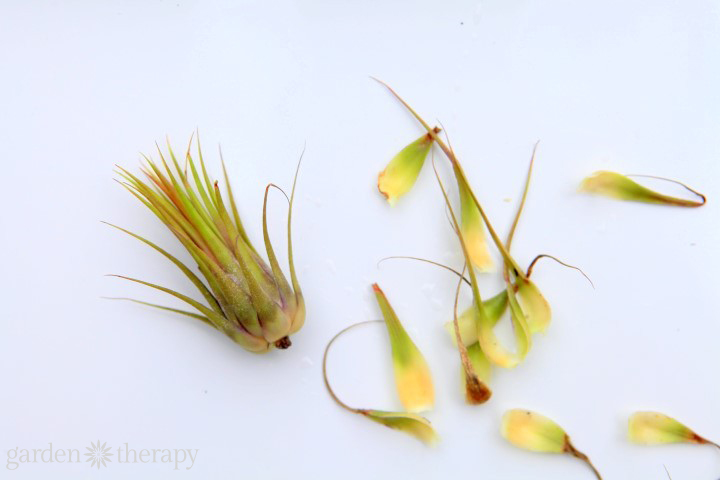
(545, 255)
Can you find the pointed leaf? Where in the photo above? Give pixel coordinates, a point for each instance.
(621, 187)
(188, 273)
(412, 375)
(299, 318)
(534, 432)
(402, 171)
(473, 230)
(537, 310)
(169, 309)
(409, 423)
(652, 428)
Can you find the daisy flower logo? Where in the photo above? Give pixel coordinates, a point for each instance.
(98, 454)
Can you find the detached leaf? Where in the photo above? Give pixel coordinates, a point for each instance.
(532, 431)
(399, 176)
(537, 433)
(471, 225)
(409, 423)
(537, 310)
(412, 375)
(619, 186)
(652, 428)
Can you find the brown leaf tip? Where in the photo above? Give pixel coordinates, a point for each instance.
(283, 343)
(476, 392)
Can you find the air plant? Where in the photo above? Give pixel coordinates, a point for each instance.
(248, 299)
(410, 423)
(537, 433)
(652, 428)
(622, 187)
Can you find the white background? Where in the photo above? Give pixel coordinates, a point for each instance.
(630, 86)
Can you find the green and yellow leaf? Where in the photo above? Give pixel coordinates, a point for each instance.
(621, 187)
(652, 428)
(409, 423)
(472, 228)
(401, 173)
(532, 431)
(412, 375)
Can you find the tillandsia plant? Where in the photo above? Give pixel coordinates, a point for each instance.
(250, 301)
(652, 428)
(537, 433)
(622, 187)
(410, 423)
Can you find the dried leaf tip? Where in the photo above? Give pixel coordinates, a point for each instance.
(537, 433)
(653, 428)
(401, 173)
(412, 374)
(409, 423)
(476, 368)
(621, 187)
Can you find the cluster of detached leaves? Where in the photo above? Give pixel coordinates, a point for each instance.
(473, 330)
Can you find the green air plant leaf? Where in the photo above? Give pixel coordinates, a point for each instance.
(652, 428)
(621, 187)
(476, 368)
(410, 423)
(537, 433)
(532, 305)
(412, 374)
(399, 176)
(250, 301)
(472, 228)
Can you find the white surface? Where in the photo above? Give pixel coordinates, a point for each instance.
(624, 85)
